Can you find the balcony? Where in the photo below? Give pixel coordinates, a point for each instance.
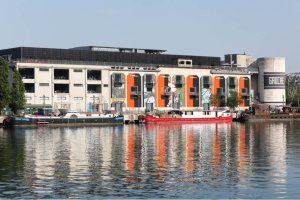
(94, 88)
(94, 75)
(61, 74)
(27, 73)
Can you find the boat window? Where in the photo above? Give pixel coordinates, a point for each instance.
(189, 113)
(206, 112)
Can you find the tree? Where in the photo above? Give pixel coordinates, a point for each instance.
(215, 100)
(4, 84)
(17, 94)
(234, 100)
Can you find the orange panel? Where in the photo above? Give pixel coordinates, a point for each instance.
(189, 84)
(241, 86)
(160, 86)
(216, 84)
(130, 82)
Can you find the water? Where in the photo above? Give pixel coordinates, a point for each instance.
(229, 160)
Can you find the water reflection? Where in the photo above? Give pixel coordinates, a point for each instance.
(151, 161)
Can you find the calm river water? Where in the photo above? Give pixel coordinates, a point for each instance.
(224, 160)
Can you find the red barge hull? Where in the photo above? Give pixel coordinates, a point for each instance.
(151, 119)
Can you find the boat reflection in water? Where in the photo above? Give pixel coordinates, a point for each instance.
(217, 160)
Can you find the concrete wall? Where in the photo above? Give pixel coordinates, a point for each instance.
(271, 84)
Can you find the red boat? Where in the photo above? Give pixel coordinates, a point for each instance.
(179, 116)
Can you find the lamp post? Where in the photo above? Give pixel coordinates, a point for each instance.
(283, 100)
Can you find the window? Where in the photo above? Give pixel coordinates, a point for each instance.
(61, 88)
(118, 80)
(149, 81)
(44, 84)
(185, 63)
(244, 90)
(44, 98)
(29, 87)
(134, 90)
(44, 69)
(61, 98)
(231, 82)
(192, 90)
(27, 73)
(206, 81)
(61, 74)
(78, 85)
(220, 91)
(94, 75)
(94, 88)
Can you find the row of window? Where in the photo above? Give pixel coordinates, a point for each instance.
(60, 74)
(63, 88)
(60, 98)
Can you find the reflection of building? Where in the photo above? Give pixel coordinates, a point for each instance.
(95, 78)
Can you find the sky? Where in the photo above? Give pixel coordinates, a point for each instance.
(259, 28)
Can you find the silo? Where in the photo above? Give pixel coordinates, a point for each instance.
(271, 80)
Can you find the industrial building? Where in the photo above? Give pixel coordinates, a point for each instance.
(97, 78)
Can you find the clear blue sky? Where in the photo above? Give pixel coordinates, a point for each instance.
(194, 27)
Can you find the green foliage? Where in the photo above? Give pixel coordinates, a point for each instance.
(215, 100)
(17, 94)
(234, 99)
(4, 84)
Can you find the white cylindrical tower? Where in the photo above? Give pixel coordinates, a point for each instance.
(271, 80)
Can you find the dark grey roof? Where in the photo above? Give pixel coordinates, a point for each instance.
(34, 53)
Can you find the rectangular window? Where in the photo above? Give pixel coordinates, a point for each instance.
(78, 85)
(94, 88)
(61, 88)
(78, 98)
(220, 91)
(206, 81)
(27, 73)
(231, 83)
(44, 69)
(118, 80)
(44, 84)
(44, 98)
(244, 90)
(29, 87)
(94, 75)
(61, 74)
(61, 98)
(192, 90)
(77, 70)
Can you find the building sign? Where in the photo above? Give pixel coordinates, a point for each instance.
(274, 80)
